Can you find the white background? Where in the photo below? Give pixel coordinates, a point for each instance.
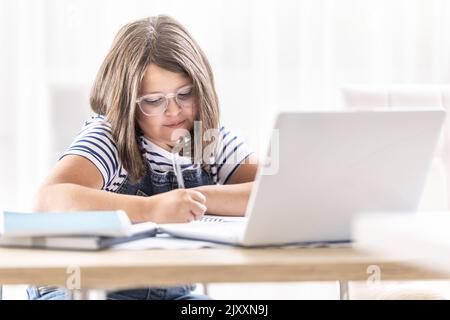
(267, 56)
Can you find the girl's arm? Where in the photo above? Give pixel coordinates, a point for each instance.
(75, 183)
(232, 199)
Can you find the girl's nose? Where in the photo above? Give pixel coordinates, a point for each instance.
(173, 109)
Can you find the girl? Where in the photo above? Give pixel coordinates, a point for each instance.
(154, 84)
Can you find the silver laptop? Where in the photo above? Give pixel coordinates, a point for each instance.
(331, 166)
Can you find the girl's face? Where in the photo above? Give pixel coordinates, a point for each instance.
(160, 128)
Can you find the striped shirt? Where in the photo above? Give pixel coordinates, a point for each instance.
(96, 143)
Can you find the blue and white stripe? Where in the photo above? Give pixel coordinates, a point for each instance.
(231, 151)
(96, 143)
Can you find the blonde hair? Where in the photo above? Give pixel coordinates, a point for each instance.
(165, 42)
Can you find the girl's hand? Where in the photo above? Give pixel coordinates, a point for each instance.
(177, 206)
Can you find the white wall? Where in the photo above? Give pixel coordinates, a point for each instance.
(267, 56)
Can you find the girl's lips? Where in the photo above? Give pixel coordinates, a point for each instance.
(175, 125)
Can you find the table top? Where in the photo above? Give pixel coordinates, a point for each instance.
(115, 269)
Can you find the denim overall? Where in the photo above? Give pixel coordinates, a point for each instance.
(152, 183)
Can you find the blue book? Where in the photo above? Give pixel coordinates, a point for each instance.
(40, 224)
(83, 230)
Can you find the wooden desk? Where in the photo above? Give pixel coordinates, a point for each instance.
(128, 269)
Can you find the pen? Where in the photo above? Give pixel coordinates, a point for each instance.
(176, 160)
(177, 170)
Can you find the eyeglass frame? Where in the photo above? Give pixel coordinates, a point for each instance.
(167, 97)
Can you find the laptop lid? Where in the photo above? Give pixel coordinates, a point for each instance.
(334, 165)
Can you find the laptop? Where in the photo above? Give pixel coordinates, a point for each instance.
(331, 166)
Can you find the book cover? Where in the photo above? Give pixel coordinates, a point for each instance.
(99, 223)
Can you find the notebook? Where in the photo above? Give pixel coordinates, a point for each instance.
(84, 230)
(217, 229)
(99, 223)
(81, 242)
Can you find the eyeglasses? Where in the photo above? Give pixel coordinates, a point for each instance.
(156, 103)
